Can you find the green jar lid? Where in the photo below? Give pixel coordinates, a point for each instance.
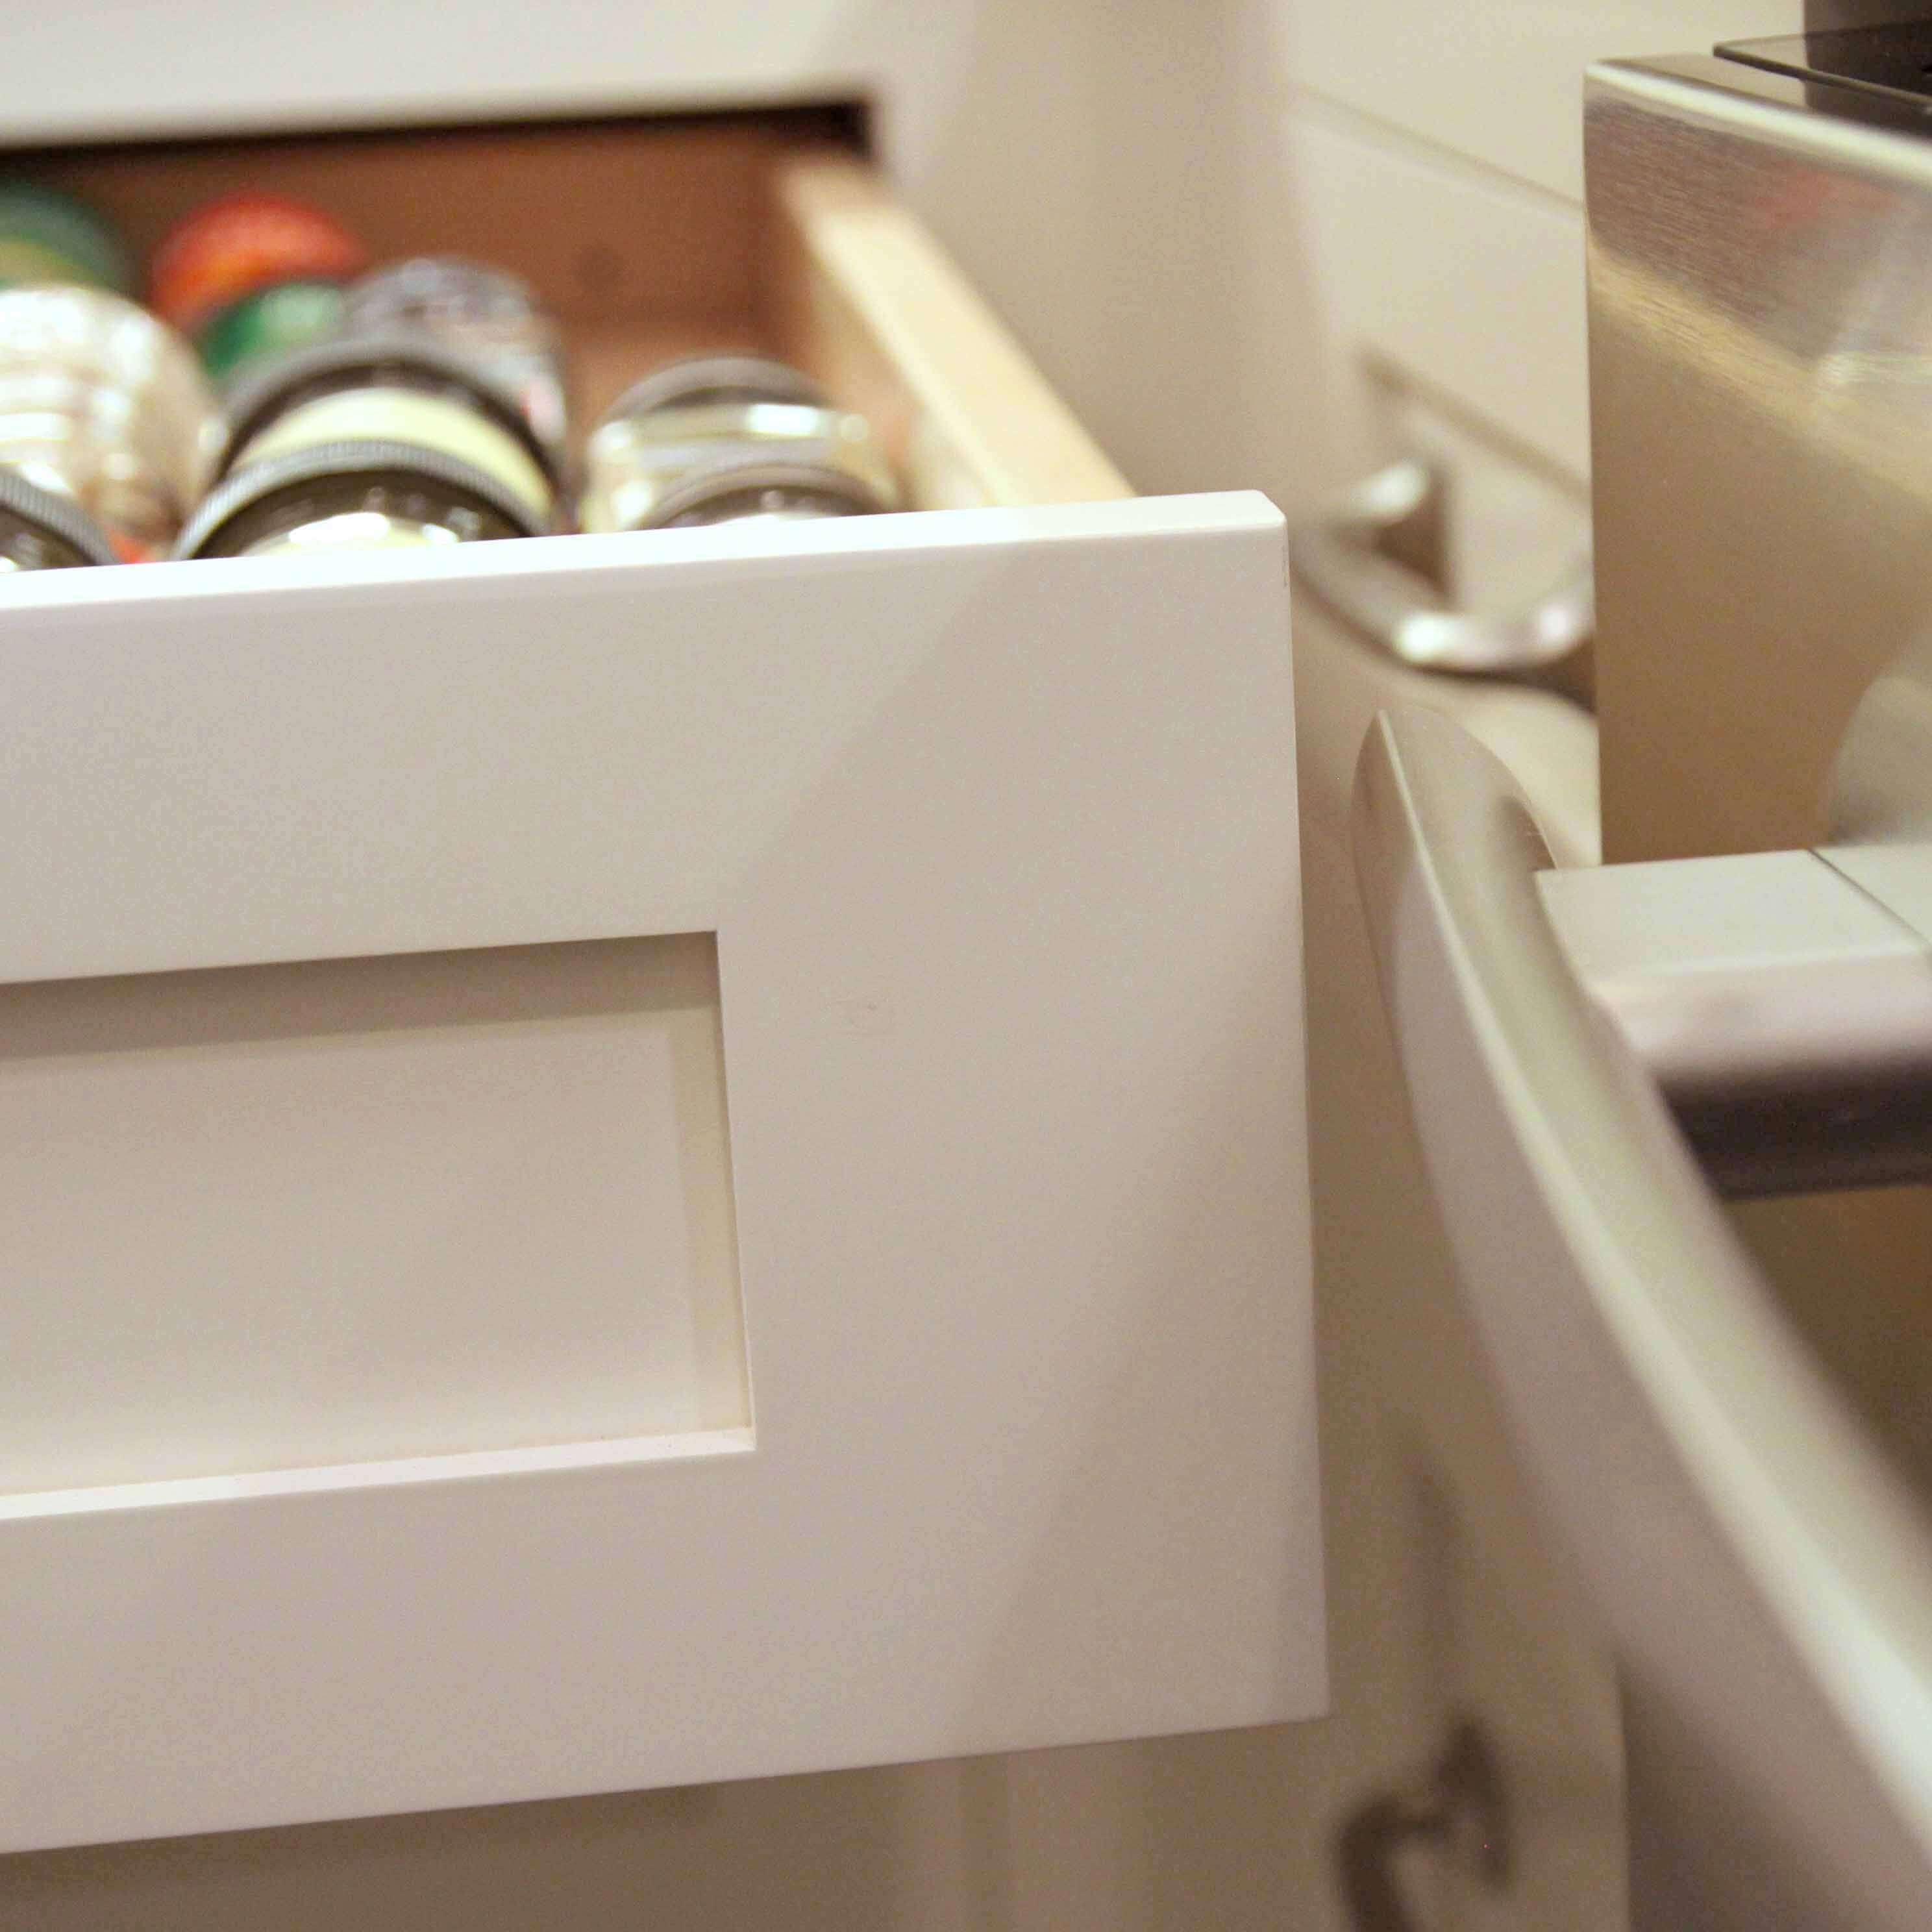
(270, 322)
(47, 236)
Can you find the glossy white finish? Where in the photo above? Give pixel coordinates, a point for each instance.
(1502, 85)
(1444, 1595)
(576, 737)
(1464, 282)
(1738, 973)
(1895, 876)
(354, 1209)
(1005, 918)
(113, 69)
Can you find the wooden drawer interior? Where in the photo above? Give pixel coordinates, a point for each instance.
(649, 239)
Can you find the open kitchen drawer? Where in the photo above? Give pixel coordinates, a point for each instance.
(642, 1159)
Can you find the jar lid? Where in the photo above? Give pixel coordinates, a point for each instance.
(57, 519)
(48, 236)
(268, 322)
(368, 361)
(228, 248)
(246, 507)
(715, 378)
(437, 285)
(712, 484)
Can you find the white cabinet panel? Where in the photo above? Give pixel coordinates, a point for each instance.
(124, 67)
(1470, 284)
(1503, 84)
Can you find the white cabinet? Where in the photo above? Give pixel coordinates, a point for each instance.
(656, 1158)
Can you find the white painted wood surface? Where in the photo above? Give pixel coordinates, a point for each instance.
(566, 738)
(1427, 167)
(352, 1209)
(113, 69)
(1500, 85)
(1007, 921)
(1458, 279)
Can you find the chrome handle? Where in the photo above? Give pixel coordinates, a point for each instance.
(1761, 1573)
(1365, 559)
(1460, 1800)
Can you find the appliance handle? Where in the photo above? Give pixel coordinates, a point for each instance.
(1756, 1566)
(1494, 1028)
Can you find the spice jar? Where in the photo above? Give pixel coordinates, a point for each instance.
(713, 439)
(394, 390)
(41, 530)
(485, 312)
(409, 443)
(100, 402)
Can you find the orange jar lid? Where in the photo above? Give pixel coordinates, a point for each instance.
(227, 249)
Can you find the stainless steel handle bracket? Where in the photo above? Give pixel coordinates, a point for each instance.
(1460, 1800)
(1376, 559)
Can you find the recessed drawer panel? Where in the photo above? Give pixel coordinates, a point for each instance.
(274, 1217)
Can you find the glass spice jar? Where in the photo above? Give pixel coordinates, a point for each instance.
(395, 390)
(720, 438)
(101, 402)
(485, 312)
(385, 443)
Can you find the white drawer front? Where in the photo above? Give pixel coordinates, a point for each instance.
(1501, 84)
(992, 814)
(1466, 283)
(106, 69)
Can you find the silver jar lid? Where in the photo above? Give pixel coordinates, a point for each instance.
(371, 362)
(739, 487)
(479, 310)
(473, 301)
(41, 529)
(404, 482)
(715, 378)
